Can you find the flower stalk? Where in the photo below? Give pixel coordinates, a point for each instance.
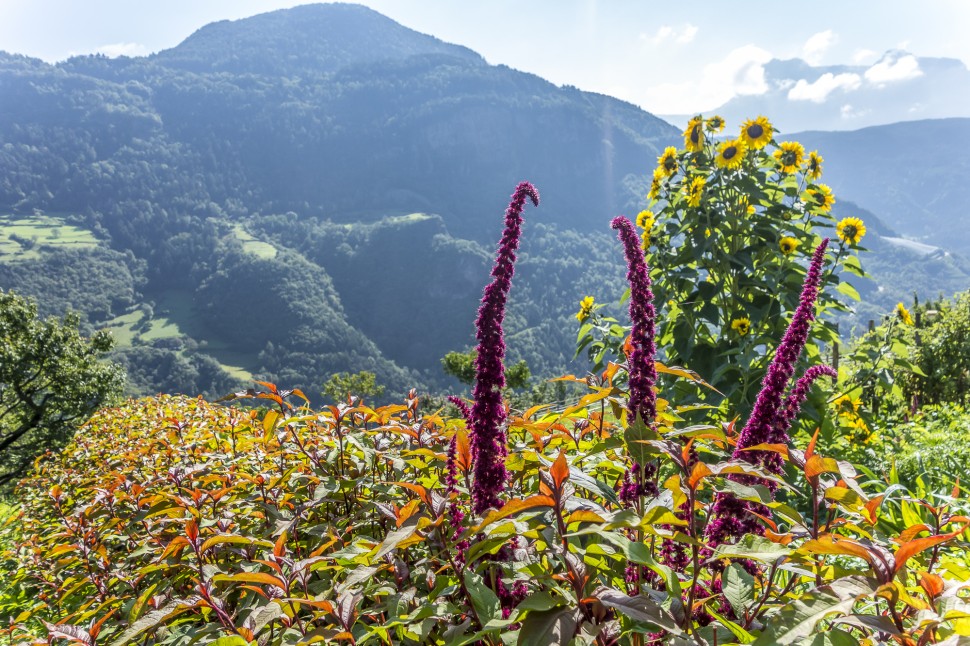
(488, 439)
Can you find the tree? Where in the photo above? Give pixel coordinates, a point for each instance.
(51, 379)
(461, 366)
(344, 384)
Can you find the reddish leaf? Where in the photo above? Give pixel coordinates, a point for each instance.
(559, 470)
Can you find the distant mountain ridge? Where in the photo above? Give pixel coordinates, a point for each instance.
(308, 39)
(898, 87)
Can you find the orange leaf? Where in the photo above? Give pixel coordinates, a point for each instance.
(251, 577)
(810, 451)
(418, 489)
(912, 548)
(698, 473)
(279, 549)
(817, 465)
(584, 516)
(931, 583)
(463, 452)
(559, 470)
(406, 512)
(192, 530)
(871, 507)
(910, 533)
(513, 507)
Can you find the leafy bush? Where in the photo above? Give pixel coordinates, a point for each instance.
(51, 380)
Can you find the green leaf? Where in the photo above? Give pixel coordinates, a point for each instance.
(232, 640)
(752, 547)
(553, 626)
(640, 609)
(848, 290)
(487, 606)
(636, 437)
(795, 622)
(158, 617)
(744, 637)
(738, 587)
(396, 537)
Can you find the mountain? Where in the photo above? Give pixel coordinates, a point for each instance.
(204, 170)
(912, 174)
(897, 87)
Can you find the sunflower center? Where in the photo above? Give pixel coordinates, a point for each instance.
(788, 158)
(695, 134)
(730, 152)
(820, 198)
(755, 131)
(850, 231)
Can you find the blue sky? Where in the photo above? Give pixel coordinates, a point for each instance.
(669, 58)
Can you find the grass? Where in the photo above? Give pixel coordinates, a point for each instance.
(23, 237)
(253, 246)
(174, 316)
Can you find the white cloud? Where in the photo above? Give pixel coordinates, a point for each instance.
(681, 36)
(815, 47)
(741, 72)
(863, 56)
(824, 85)
(687, 35)
(122, 49)
(892, 68)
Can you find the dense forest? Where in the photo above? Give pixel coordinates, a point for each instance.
(317, 190)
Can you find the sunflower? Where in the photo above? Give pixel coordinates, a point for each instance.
(694, 190)
(645, 239)
(903, 314)
(822, 197)
(694, 135)
(850, 230)
(846, 406)
(745, 206)
(813, 167)
(741, 325)
(715, 124)
(788, 245)
(667, 162)
(585, 308)
(756, 133)
(645, 219)
(790, 155)
(730, 154)
(656, 183)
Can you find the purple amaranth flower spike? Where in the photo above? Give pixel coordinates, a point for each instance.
(800, 392)
(768, 405)
(643, 373)
(732, 518)
(488, 413)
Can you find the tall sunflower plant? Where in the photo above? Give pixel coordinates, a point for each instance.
(729, 226)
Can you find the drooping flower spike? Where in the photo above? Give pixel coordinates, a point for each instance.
(488, 440)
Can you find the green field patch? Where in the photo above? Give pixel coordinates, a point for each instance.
(252, 245)
(173, 317)
(174, 312)
(23, 237)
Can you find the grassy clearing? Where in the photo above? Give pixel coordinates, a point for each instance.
(22, 237)
(174, 317)
(253, 246)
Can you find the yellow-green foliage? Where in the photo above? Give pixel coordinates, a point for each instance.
(22, 237)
